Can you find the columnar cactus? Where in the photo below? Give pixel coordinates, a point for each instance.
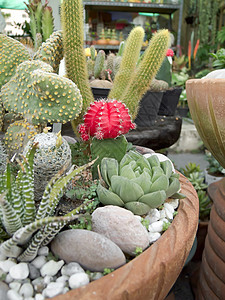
(51, 51)
(12, 53)
(146, 71)
(128, 63)
(137, 183)
(40, 95)
(52, 154)
(99, 63)
(73, 41)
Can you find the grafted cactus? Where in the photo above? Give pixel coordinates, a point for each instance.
(51, 51)
(40, 95)
(24, 228)
(137, 183)
(52, 154)
(12, 53)
(17, 136)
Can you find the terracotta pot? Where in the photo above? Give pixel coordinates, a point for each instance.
(207, 106)
(212, 273)
(152, 274)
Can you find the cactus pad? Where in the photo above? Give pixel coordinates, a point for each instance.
(12, 53)
(41, 96)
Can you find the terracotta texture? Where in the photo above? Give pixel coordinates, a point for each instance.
(153, 273)
(212, 273)
(207, 106)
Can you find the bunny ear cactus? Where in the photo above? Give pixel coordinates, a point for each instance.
(106, 122)
(12, 53)
(23, 227)
(41, 96)
(137, 183)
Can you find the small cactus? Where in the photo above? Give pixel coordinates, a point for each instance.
(52, 154)
(99, 63)
(158, 85)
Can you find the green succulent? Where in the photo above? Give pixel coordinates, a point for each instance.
(137, 183)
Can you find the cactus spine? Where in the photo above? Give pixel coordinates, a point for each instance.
(146, 70)
(128, 64)
(73, 41)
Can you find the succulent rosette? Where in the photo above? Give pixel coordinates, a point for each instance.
(137, 183)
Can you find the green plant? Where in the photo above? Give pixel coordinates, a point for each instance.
(3, 157)
(214, 166)
(107, 271)
(183, 99)
(137, 183)
(22, 227)
(138, 251)
(218, 59)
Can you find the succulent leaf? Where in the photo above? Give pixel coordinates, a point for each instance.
(144, 180)
(109, 167)
(153, 161)
(127, 171)
(173, 187)
(107, 197)
(167, 167)
(153, 200)
(161, 183)
(138, 208)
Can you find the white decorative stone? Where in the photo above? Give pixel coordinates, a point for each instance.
(62, 278)
(19, 271)
(173, 202)
(43, 251)
(156, 226)
(162, 214)
(153, 215)
(96, 275)
(8, 278)
(161, 158)
(48, 279)
(5, 265)
(15, 285)
(26, 290)
(138, 217)
(72, 268)
(39, 297)
(38, 284)
(53, 289)
(77, 280)
(2, 256)
(51, 268)
(169, 210)
(13, 295)
(39, 261)
(153, 236)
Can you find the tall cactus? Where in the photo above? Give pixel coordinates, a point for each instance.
(73, 41)
(146, 70)
(128, 64)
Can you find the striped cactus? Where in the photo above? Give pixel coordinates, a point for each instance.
(20, 222)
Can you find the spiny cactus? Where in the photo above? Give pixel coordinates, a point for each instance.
(9, 118)
(40, 95)
(3, 157)
(51, 51)
(128, 63)
(52, 154)
(99, 63)
(137, 183)
(47, 25)
(22, 227)
(17, 136)
(73, 40)
(158, 85)
(145, 72)
(2, 113)
(12, 53)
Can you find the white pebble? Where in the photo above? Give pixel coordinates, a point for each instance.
(51, 268)
(62, 278)
(162, 214)
(26, 290)
(2, 256)
(15, 285)
(8, 278)
(173, 202)
(39, 261)
(6, 265)
(153, 215)
(48, 279)
(43, 251)
(39, 297)
(65, 290)
(169, 211)
(138, 217)
(13, 295)
(72, 268)
(153, 236)
(156, 226)
(77, 280)
(19, 271)
(53, 289)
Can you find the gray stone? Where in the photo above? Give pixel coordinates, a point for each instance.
(3, 290)
(71, 268)
(121, 227)
(77, 280)
(38, 284)
(34, 272)
(19, 271)
(43, 251)
(91, 250)
(51, 268)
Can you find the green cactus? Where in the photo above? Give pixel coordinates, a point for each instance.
(2, 113)
(99, 63)
(3, 157)
(93, 52)
(24, 228)
(40, 95)
(158, 85)
(12, 53)
(10, 118)
(52, 154)
(165, 71)
(47, 25)
(137, 183)
(73, 40)
(146, 70)
(128, 64)
(51, 51)
(17, 136)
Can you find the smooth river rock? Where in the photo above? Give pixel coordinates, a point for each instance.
(120, 226)
(91, 250)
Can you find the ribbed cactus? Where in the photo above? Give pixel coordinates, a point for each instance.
(51, 51)
(128, 63)
(17, 136)
(99, 63)
(12, 53)
(47, 25)
(145, 72)
(3, 157)
(40, 95)
(52, 154)
(137, 183)
(73, 41)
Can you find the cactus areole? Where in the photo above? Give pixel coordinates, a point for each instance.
(106, 119)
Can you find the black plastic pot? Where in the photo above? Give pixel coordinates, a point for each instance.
(100, 93)
(169, 102)
(182, 111)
